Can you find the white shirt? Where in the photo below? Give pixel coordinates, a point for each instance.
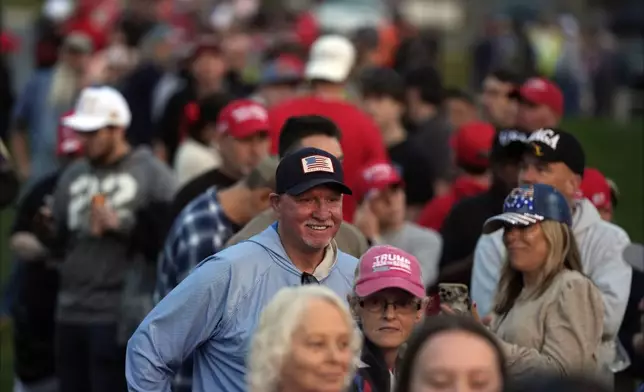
(193, 159)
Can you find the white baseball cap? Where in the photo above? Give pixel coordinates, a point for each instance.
(331, 58)
(99, 107)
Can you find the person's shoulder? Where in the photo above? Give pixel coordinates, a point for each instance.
(346, 263)
(243, 255)
(570, 276)
(475, 201)
(196, 186)
(350, 231)
(442, 201)
(489, 244)
(569, 281)
(609, 232)
(285, 108)
(205, 201)
(144, 155)
(423, 232)
(74, 169)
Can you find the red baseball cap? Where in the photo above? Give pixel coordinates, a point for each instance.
(68, 142)
(243, 118)
(384, 267)
(541, 91)
(472, 143)
(596, 188)
(376, 177)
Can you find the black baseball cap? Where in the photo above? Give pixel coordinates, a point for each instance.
(508, 146)
(556, 145)
(307, 168)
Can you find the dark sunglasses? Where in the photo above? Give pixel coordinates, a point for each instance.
(308, 279)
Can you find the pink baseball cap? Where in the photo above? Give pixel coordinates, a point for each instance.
(243, 118)
(384, 266)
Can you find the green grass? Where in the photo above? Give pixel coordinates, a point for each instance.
(614, 149)
(29, 4)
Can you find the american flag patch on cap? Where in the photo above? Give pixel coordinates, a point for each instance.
(316, 163)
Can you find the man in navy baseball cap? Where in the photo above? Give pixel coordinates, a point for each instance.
(531, 204)
(308, 168)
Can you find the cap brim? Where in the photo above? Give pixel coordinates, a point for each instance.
(325, 70)
(510, 218)
(85, 123)
(370, 287)
(242, 134)
(305, 186)
(634, 255)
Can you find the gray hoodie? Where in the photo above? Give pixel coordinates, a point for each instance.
(94, 268)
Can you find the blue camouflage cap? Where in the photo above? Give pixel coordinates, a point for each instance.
(530, 204)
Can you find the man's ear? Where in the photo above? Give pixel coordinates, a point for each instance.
(274, 199)
(577, 181)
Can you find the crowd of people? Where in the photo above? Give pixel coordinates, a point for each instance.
(342, 224)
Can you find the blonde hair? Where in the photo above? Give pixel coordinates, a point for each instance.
(280, 319)
(563, 254)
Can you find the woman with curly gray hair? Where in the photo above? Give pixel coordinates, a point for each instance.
(306, 340)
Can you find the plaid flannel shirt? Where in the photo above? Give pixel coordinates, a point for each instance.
(200, 230)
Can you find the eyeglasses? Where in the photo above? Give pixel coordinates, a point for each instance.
(375, 305)
(308, 279)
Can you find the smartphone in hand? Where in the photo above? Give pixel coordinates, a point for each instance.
(456, 296)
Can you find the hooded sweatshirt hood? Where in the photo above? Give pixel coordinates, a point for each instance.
(269, 239)
(584, 216)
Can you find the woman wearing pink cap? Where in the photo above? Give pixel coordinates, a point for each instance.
(388, 301)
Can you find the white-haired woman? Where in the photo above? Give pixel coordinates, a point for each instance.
(547, 314)
(306, 340)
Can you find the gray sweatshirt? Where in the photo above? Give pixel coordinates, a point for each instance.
(93, 271)
(425, 244)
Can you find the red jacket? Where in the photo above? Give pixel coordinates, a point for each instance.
(361, 140)
(436, 210)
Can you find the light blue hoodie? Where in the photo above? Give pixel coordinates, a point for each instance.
(214, 312)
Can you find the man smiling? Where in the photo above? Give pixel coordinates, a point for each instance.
(215, 310)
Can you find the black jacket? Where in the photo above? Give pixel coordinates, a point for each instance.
(462, 229)
(373, 371)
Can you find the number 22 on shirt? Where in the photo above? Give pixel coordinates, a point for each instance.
(120, 190)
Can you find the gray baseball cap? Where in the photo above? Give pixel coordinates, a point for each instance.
(634, 255)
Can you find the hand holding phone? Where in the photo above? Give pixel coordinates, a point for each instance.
(455, 296)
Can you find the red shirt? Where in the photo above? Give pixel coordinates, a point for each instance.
(436, 210)
(361, 140)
